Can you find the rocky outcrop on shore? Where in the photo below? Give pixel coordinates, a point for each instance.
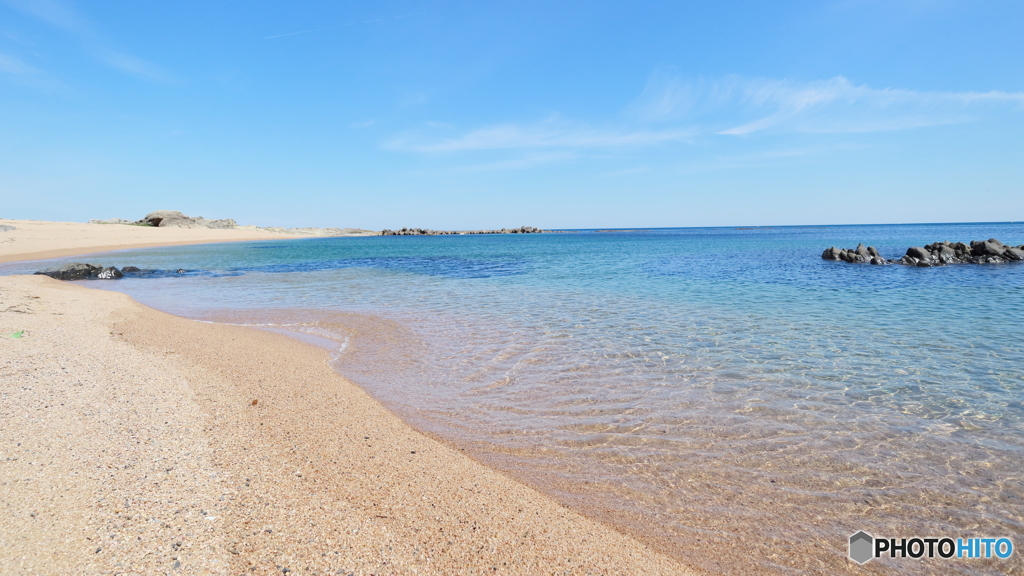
(429, 232)
(175, 219)
(989, 251)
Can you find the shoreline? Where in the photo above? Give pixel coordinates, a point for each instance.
(290, 482)
(43, 240)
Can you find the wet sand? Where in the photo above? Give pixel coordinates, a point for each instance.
(139, 442)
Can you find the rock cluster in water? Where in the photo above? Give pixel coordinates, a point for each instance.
(860, 254)
(81, 271)
(989, 251)
(428, 232)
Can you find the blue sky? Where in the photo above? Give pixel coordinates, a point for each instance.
(489, 114)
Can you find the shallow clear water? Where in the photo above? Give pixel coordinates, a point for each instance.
(699, 388)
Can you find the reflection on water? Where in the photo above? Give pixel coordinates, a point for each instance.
(723, 394)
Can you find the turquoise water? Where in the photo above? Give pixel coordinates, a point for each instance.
(694, 387)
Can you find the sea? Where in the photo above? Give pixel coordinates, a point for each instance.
(722, 394)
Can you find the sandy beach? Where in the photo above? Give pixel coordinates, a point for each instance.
(137, 442)
(36, 240)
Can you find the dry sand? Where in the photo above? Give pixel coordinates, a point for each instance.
(35, 239)
(136, 442)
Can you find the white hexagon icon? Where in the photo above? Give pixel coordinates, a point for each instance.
(861, 545)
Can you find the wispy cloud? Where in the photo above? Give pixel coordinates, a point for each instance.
(666, 97)
(12, 65)
(759, 159)
(672, 110)
(132, 65)
(530, 160)
(54, 13)
(20, 72)
(742, 106)
(551, 133)
(63, 15)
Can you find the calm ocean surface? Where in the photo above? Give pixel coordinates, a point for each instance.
(722, 393)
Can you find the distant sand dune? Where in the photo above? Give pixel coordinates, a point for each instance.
(36, 240)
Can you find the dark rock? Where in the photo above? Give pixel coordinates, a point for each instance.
(130, 269)
(73, 271)
(919, 253)
(181, 271)
(989, 251)
(109, 273)
(1016, 254)
(859, 255)
(947, 255)
(990, 247)
(987, 259)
